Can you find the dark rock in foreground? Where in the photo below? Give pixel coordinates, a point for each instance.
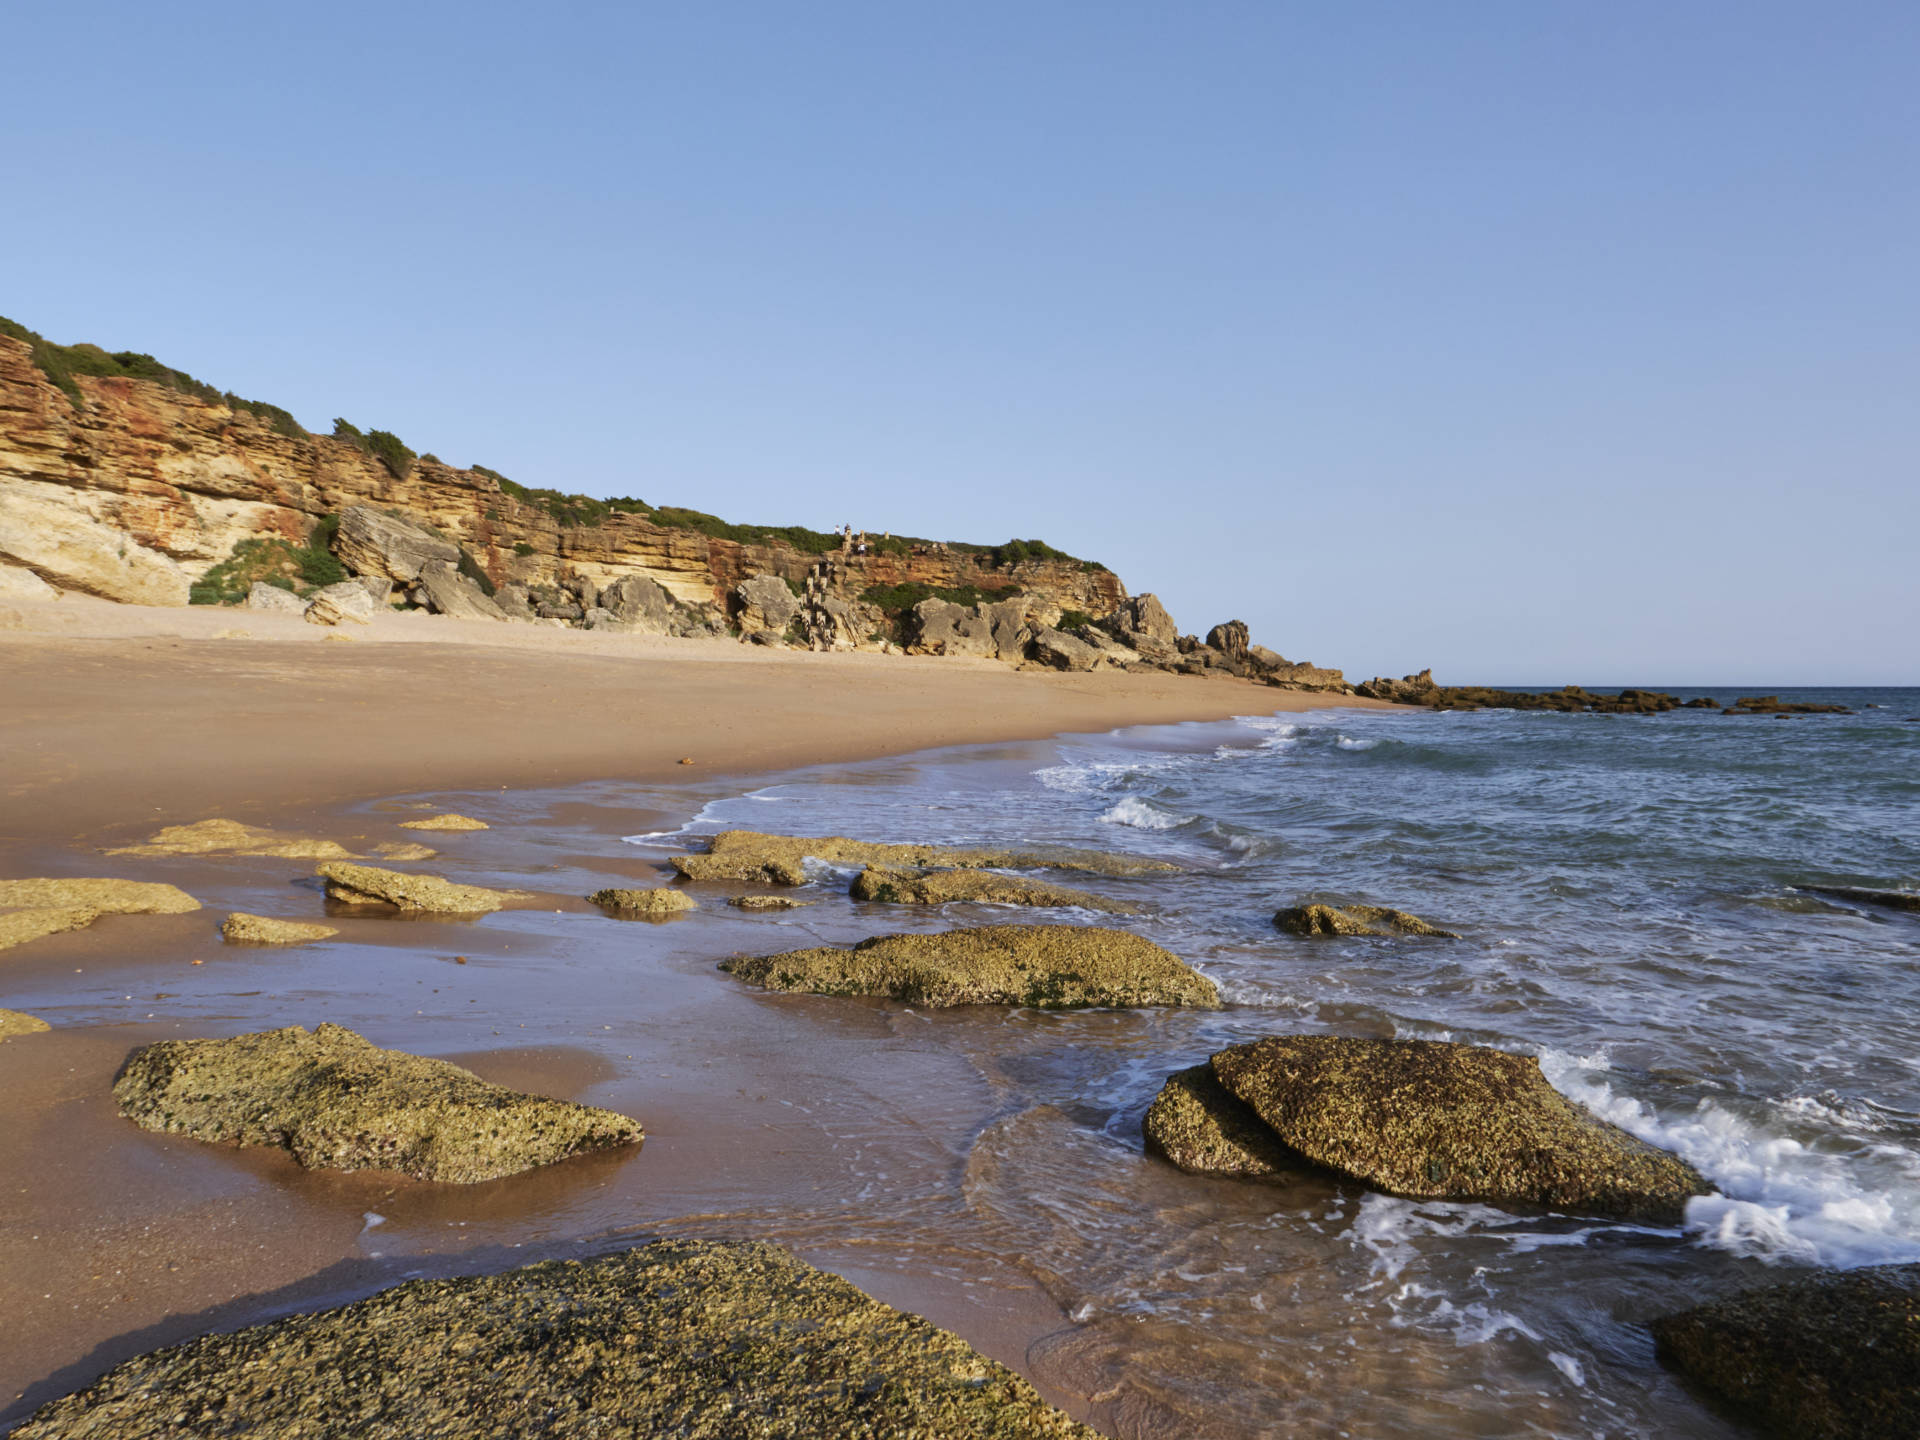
(1834, 1356)
(780, 859)
(1892, 899)
(1436, 1121)
(679, 1338)
(1050, 967)
(1194, 1123)
(1355, 920)
(338, 1102)
(902, 886)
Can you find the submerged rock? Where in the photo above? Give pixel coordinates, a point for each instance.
(1431, 1120)
(448, 821)
(230, 837)
(17, 927)
(1832, 1355)
(652, 904)
(1892, 899)
(767, 902)
(1051, 967)
(401, 850)
(336, 1101)
(685, 1338)
(1355, 920)
(244, 929)
(106, 897)
(780, 859)
(370, 885)
(18, 1022)
(1204, 1130)
(903, 886)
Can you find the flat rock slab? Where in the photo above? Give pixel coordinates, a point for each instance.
(17, 927)
(1436, 1121)
(18, 1022)
(404, 850)
(780, 859)
(1835, 1355)
(678, 1338)
(652, 904)
(370, 885)
(1194, 1123)
(230, 837)
(903, 886)
(445, 822)
(104, 897)
(243, 929)
(336, 1101)
(1050, 967)
(1355, 920)
(768, 902)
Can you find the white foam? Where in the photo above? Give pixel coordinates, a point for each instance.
(1143, 815)
(1347, 742)
(1569, 1367)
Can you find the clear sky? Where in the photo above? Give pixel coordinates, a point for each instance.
(1536, 342)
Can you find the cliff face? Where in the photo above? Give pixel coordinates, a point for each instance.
(140, 489)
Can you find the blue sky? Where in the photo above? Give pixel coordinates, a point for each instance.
(1534, 342)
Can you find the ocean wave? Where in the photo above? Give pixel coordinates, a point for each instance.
(1348, 742)
(1141, 814)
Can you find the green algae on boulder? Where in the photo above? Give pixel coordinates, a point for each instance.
(1194, 1123)
(768, 902)
(105, 897)
(370, 885)
(1834, 1355)
(1050, 967)
(899, 885)
(18, 1022)
(780, 859)
(338, 1102)
(1355, 920)
(240, 928)
(655, 904)
(1431, 1120)
(697, 1340)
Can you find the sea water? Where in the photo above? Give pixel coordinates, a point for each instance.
(1635, 896)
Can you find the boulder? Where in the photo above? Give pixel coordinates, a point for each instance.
(655, 904)
(896, 885)
(43, 528)
(1408, 690)
(598, 619)
(106, 897)
(940, 627)
(1305, 676)
(335, 1101)
(768, 902)
(1010, 627)
(370, 885)
(344, 604)
(514, 602)
(1058, 650)
(372, 542)
(677, 1338)
(1049, 967)
(448, 592)
(1432, 1120)
(448, 821)
(764, 605)
(230, 837)
(836, 624)
(271, 597)
(17, 927)
(403, 851)
(18, 1022)
(1194, 1123)
(641, 605)
(1263, 659)
(1354, 920)
(1891, 899)
(19, 583)
(1144, 624)
(1230, 640)
(244, 929)
(1832, 1354)
(781, 859)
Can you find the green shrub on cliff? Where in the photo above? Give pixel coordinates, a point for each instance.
(382, 445)
(470, 568)
(299, 568)
(566, 510)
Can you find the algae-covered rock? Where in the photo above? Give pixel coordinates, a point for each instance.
(230, 837)
(448, 821)
(768, 902)
(678, 1338)
(1197, 1125)
(904, 886)
(18, 1022)
(779, 859)
(1893, 899)
(243, 929)
(1832, 1355)
(652, 904)
(404, 851)
(1355, 920)
(1433, 1120)
(17, 927)
(370, 885)
(1051, 967)
(108, 897)
(338, 1102)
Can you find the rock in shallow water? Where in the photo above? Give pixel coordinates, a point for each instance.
(780, 859)
(1194, 1123)
(1355, 920)
(230, 837)
(107, 897)
(655, 904)
(17, 927)
(243, 929)
(1431, 1120)
(1834, 1356)
(370, 885)
(682, 1338)
(1050, 967)
(449, 821)
(903, 886)
(767, 902)
(336, 1101)
(18, 1022)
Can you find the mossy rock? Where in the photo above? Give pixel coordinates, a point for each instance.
(1355, 920)
(18, 1022)
(1194, 1123)
(336, 1101)
(655, 904)
(1432, 1120)
(768, 902)
(780, 859)
(448, 822)
(231, 837)
(17, 927)
(104, 897)
(1049, 967)
(679, 1338)
(905, 886)
(370, 885)
(1831, 1356)
(243, 929)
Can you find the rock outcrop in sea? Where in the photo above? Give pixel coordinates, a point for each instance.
(781, 859)
(370, 885)
(654, 904)
(674, 1338)
(1048, 967)
(905, 885)
(240, 928)
(1355, 920)
(335, 1101)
